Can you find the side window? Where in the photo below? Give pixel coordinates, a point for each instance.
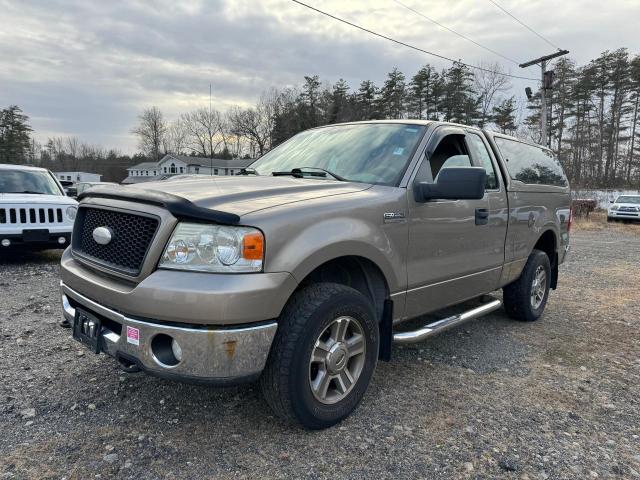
(479, 152)
(450, 152)
(531, 164)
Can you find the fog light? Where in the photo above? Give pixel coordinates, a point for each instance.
(6, 242)
(62, 240)
(177, 351)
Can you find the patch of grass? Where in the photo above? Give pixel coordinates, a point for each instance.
(597, 221)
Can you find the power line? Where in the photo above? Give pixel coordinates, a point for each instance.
(454, 32)
(412, 46)
(526, 26)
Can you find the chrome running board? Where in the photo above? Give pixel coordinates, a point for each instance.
(446, 323)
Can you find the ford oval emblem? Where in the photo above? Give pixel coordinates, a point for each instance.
(102, 235)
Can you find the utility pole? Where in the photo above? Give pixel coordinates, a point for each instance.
(547, 84)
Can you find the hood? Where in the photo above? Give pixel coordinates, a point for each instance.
(241, 195)
(30, 198)
(626, 204)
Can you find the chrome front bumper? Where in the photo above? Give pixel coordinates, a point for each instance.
(208, 354)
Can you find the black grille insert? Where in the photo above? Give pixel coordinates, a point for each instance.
(131, 238)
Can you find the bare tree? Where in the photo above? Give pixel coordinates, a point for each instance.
(151, 131)
(175, 141)
(71, 149)
(255, 124)
(204, 130)
(488, 83)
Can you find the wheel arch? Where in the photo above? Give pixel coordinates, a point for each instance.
(548, 243)
(355, 271)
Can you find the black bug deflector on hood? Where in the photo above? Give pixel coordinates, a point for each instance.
(178, 206)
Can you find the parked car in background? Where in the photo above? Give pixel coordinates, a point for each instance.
(625, 207)
(34, 210)
(297, 271)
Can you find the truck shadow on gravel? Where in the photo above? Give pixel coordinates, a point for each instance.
(29, 257)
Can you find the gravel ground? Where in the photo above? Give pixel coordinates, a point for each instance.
(494, 398)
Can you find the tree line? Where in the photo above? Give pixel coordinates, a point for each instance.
(593, 125)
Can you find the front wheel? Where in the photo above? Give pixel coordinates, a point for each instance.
(526, 298)
(323, 356)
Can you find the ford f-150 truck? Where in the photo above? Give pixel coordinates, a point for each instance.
(297, 272)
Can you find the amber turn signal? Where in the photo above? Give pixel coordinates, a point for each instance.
(253, 246)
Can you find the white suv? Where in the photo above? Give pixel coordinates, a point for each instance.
(34, 211)
(626, 207)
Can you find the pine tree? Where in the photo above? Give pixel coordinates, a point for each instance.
(460, 102)
(340, 110)
(15, 142)
(421, 94)
(504, 115)
(561, 103)
(634, 98)
(311, 99)
(366, 100)
(392, 95)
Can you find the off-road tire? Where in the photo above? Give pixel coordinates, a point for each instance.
(285, 379)
(517, 295)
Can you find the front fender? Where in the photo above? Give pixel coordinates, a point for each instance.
(332, 238)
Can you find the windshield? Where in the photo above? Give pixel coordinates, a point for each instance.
(28, 181)
(628, 199)
(371, 152)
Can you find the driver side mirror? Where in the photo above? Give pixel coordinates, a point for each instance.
(453, 183)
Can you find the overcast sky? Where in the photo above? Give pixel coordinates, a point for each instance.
(87, 68)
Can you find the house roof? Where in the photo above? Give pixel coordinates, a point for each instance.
(144, 166)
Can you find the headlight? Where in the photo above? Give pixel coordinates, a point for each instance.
(614, 207)
(214, 248)
(71, 212)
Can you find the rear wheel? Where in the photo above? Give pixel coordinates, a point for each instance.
(526, 298)
(323, 356)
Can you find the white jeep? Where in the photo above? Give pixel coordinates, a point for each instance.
(34, 210)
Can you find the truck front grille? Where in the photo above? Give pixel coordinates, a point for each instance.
(131, 236)
(31, 216)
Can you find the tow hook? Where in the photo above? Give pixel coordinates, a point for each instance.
(128, 365)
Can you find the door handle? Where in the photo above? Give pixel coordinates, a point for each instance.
(482, 216)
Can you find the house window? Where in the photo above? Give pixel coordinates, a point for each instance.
(215, 171)
(181, 169)
(146, 172)
(165, 169)
(197, 169)
(154, 173)
(69, 178)
(173, 168)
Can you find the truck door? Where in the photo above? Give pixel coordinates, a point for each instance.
(456, 247)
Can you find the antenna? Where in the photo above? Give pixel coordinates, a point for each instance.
(211, 160)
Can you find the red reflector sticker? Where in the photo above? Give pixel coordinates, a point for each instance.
(133, 335)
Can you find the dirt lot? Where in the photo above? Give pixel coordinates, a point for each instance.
(559, 398)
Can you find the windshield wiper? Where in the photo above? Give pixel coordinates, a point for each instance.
(298, 173)
(248, 171)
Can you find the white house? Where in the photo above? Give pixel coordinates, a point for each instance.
(78, 176)
(172, 164)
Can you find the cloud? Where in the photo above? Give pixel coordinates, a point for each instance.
(88, 68)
